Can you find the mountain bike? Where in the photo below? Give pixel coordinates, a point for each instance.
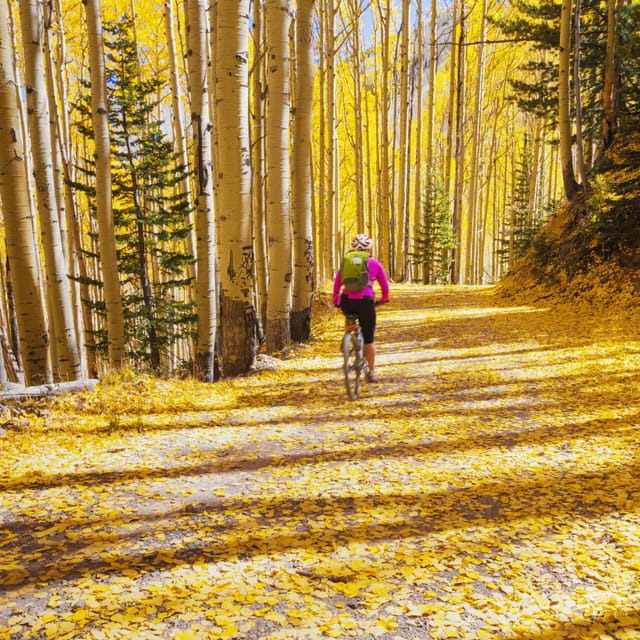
(354, 361)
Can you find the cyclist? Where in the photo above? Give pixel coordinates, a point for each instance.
(362, 303)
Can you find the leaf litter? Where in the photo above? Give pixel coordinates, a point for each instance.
(486, 488)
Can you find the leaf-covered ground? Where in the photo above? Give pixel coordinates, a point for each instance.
(487, 488)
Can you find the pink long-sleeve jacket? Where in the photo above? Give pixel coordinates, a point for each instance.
(376, 273)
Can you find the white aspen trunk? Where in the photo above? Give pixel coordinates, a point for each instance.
(206, 298)
(322, 227)
(384, 205)
(278, 214)
(104, 207)
(18, 221)
(458, 188)
(179, 135)
(68, 365)
(238, 321)
(355, 12)
(473, 229)
(258, 158)
(331, 150)
(451, 109)
(416, 274)
(577, 81)
(610, 89)
(401, 249)
(303, 255)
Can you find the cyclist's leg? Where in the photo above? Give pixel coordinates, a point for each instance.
(367, 318)
(348, 308)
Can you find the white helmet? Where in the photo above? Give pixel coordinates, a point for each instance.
(362, 242)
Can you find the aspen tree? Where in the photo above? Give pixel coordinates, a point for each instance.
(384, 204)
(330, 213)
(458, 187)
(610, 88)
(206, 298)
(577, 81)
(354, 15)
(76, 257)
(238, 321)
(104, 207)
(430, 106)
(473, 228)
(58, 90)
(19, 221)
(402, 230)
(322, 228)
(68, 364)
(451, 107)
(258, 80)
(278, 209)
(177, 121)
(417, 198)
(303, 251)
(564, 120)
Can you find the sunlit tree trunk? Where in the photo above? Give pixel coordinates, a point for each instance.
(76, 258)
(451, 108)
(384, 214)
(177, 121)
(238, 319)
(68, 365)
(564, 122)
(206, 302)
(580, 160)
(418, 177)
(258, 81)
(303, 258)
(19, 221)
(356, 67)
(104, 208)
(330, 212)
(277, 18)
(473, 229)
(402, 248)
(321, 227)
(458, 187)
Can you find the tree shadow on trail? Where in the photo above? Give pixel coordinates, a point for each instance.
(227, 529)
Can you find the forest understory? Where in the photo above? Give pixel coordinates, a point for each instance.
(488, 487)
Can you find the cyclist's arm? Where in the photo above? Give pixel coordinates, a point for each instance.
(383, 283)
(337, 285)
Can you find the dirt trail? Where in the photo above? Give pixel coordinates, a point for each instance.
(488, 487)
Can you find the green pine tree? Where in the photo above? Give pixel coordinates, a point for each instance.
(151, 217)
(434, 239)
(524, 220)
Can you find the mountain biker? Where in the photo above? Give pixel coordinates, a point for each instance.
(362, 303)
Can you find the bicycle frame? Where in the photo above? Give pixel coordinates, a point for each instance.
(353, 353)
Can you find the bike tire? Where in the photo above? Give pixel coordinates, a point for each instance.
(351, 367)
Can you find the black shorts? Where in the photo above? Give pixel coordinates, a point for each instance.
(365, 309)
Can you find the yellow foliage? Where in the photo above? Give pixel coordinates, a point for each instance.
(486, 488)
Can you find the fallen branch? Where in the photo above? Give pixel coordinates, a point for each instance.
(15, 391)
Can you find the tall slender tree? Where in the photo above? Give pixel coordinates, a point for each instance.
(206, 289)
(104, 204)
(303, 250)
(68, 364)
(278, 329)
(564, 98)
(19, 221)
(238, 318)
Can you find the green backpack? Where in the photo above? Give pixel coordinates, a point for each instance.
(355, 270)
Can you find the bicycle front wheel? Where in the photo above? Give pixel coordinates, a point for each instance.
(352, 365)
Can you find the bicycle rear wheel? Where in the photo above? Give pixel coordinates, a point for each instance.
(352, 365)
